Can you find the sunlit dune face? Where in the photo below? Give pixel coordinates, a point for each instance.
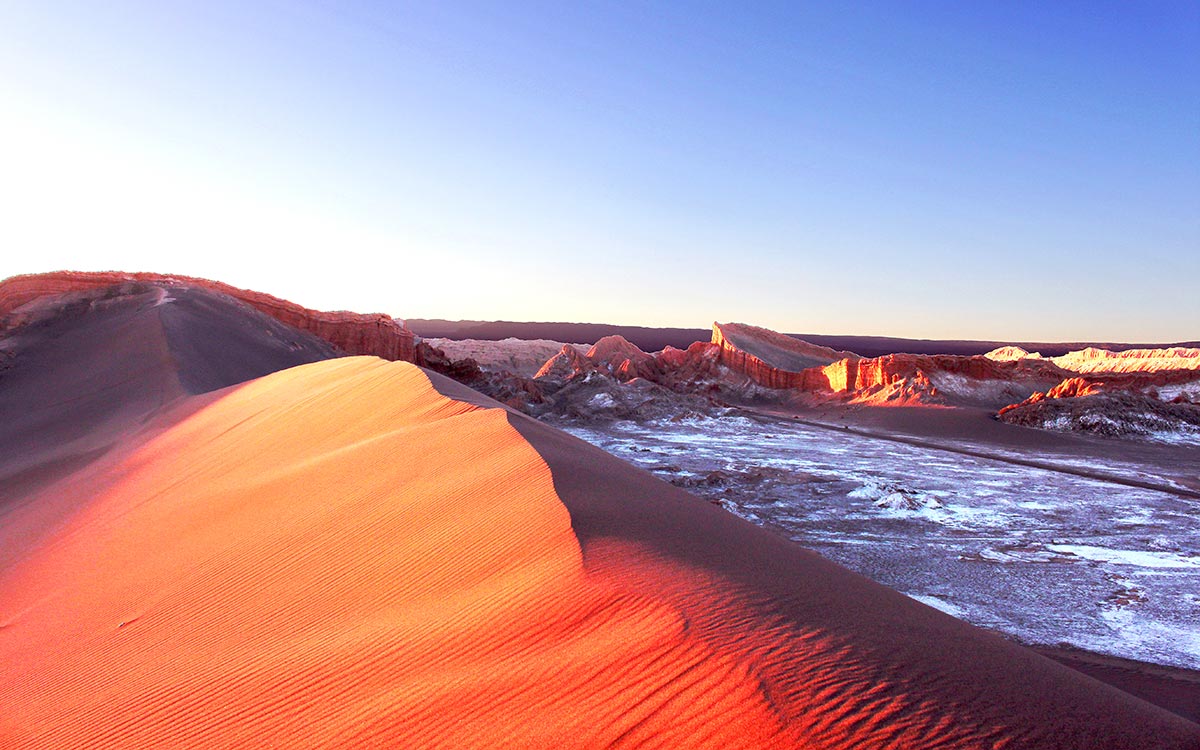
(337, 554)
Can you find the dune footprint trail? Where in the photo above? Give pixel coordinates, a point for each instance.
(358, 553)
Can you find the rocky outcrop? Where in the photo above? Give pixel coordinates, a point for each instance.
(939, 378)
(774, 361)
(743, 364)
(510, 355)
(568, 363)
(1177, 386)
(1006, 375)
(1088, 407)
(612, 355)
(22, 297)
(1069, 388)
(1093, 360)
(895, 378)
(1074, 388)
(771, 359)
(624, 360)
(617, 380)
(698, 366)
(1010, 353)
(463, 370)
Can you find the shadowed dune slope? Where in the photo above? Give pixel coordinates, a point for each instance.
(93, 366)
(376, 334)
(848, 663)
(362, 554)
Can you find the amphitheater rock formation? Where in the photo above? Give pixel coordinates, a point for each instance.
(777, 361)
(772, 359)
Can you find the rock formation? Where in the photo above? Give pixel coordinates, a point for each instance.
(939, 378)
(772, 359)
(28, 299)
(1093, 360)
(697, 367)
(616, 355)
(568, 363)
(1008, 375)
(617, 380)
(1009, 353)
(611, 355)
(741, 363)
(1069, 388)
(516, 356)
(782, 362)
(1087, 406)
(1157, 404)
(1164, 385)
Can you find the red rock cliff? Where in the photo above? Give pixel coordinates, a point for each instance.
(612, 354)
(865, 374)
(353, 333)
(772, 359)
(778, 361)
(1082, 386)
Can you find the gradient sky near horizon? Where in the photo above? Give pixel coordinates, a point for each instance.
(1006, 170)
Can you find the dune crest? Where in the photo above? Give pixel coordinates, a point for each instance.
(340, 554)
(377, 334)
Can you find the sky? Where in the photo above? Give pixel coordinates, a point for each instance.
(1003, 171)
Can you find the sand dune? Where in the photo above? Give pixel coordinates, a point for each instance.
(282, 566)
(87, 378)
(360, 553)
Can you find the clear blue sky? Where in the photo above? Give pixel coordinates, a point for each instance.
(986, 170)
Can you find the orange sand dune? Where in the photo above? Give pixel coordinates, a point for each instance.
(359, 553)
(337, 554)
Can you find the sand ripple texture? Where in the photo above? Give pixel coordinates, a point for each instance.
(355, 553)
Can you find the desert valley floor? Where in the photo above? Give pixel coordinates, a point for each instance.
(1047, 556)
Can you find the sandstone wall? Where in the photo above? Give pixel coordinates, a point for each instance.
(762, 373)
